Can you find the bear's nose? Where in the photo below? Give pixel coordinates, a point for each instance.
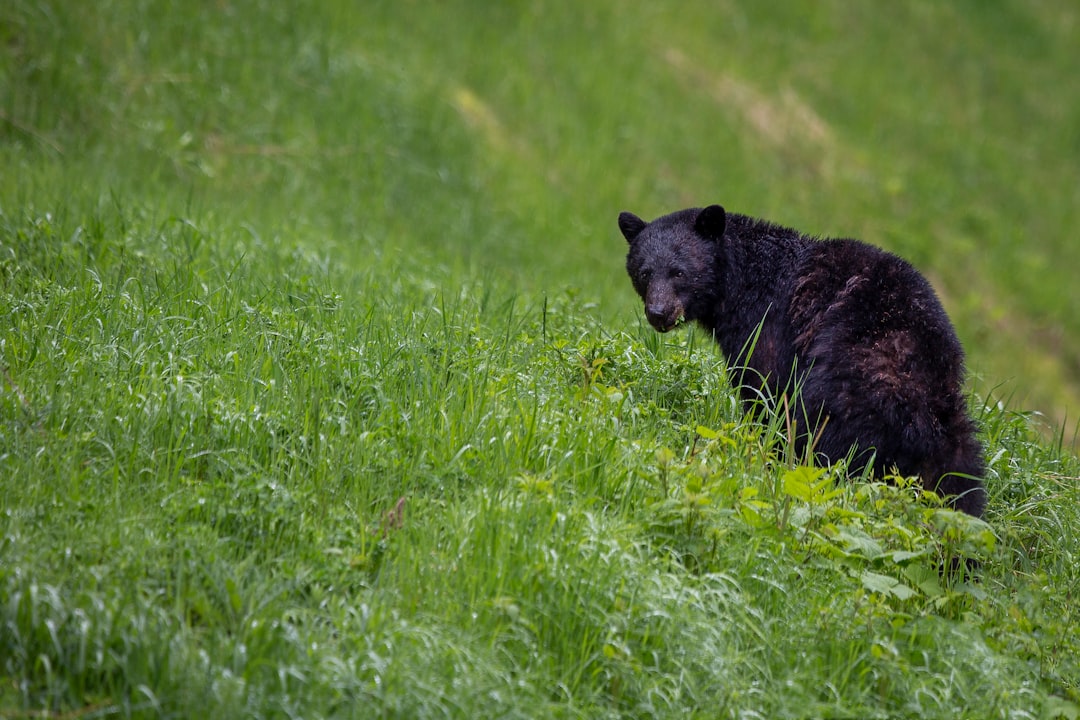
(656, 313)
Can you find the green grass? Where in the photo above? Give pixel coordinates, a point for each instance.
(486, 137)
(324, 394)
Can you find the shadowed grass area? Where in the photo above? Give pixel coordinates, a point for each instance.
(323, 392)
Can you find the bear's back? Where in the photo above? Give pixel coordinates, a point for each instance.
(851, 294)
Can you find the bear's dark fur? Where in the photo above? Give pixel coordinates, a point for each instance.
(857, 332)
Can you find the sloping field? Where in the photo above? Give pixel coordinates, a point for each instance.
(324, 392)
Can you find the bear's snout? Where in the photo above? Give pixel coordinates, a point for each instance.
(663, 317)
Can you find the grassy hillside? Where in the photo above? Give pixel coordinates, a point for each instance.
(495, 139)
(324, 392)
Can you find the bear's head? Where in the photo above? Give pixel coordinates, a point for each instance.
(673, 263)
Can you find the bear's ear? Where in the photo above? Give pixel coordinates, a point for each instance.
(631, 225)
(711, 222)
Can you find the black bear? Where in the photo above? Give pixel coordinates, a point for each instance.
(855, 333)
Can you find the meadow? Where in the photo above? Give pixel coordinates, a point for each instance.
(324, 392)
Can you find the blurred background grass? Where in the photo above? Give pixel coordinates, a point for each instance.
(462, 140)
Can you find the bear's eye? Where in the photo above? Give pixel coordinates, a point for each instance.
(644, 275)
(677, 274)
